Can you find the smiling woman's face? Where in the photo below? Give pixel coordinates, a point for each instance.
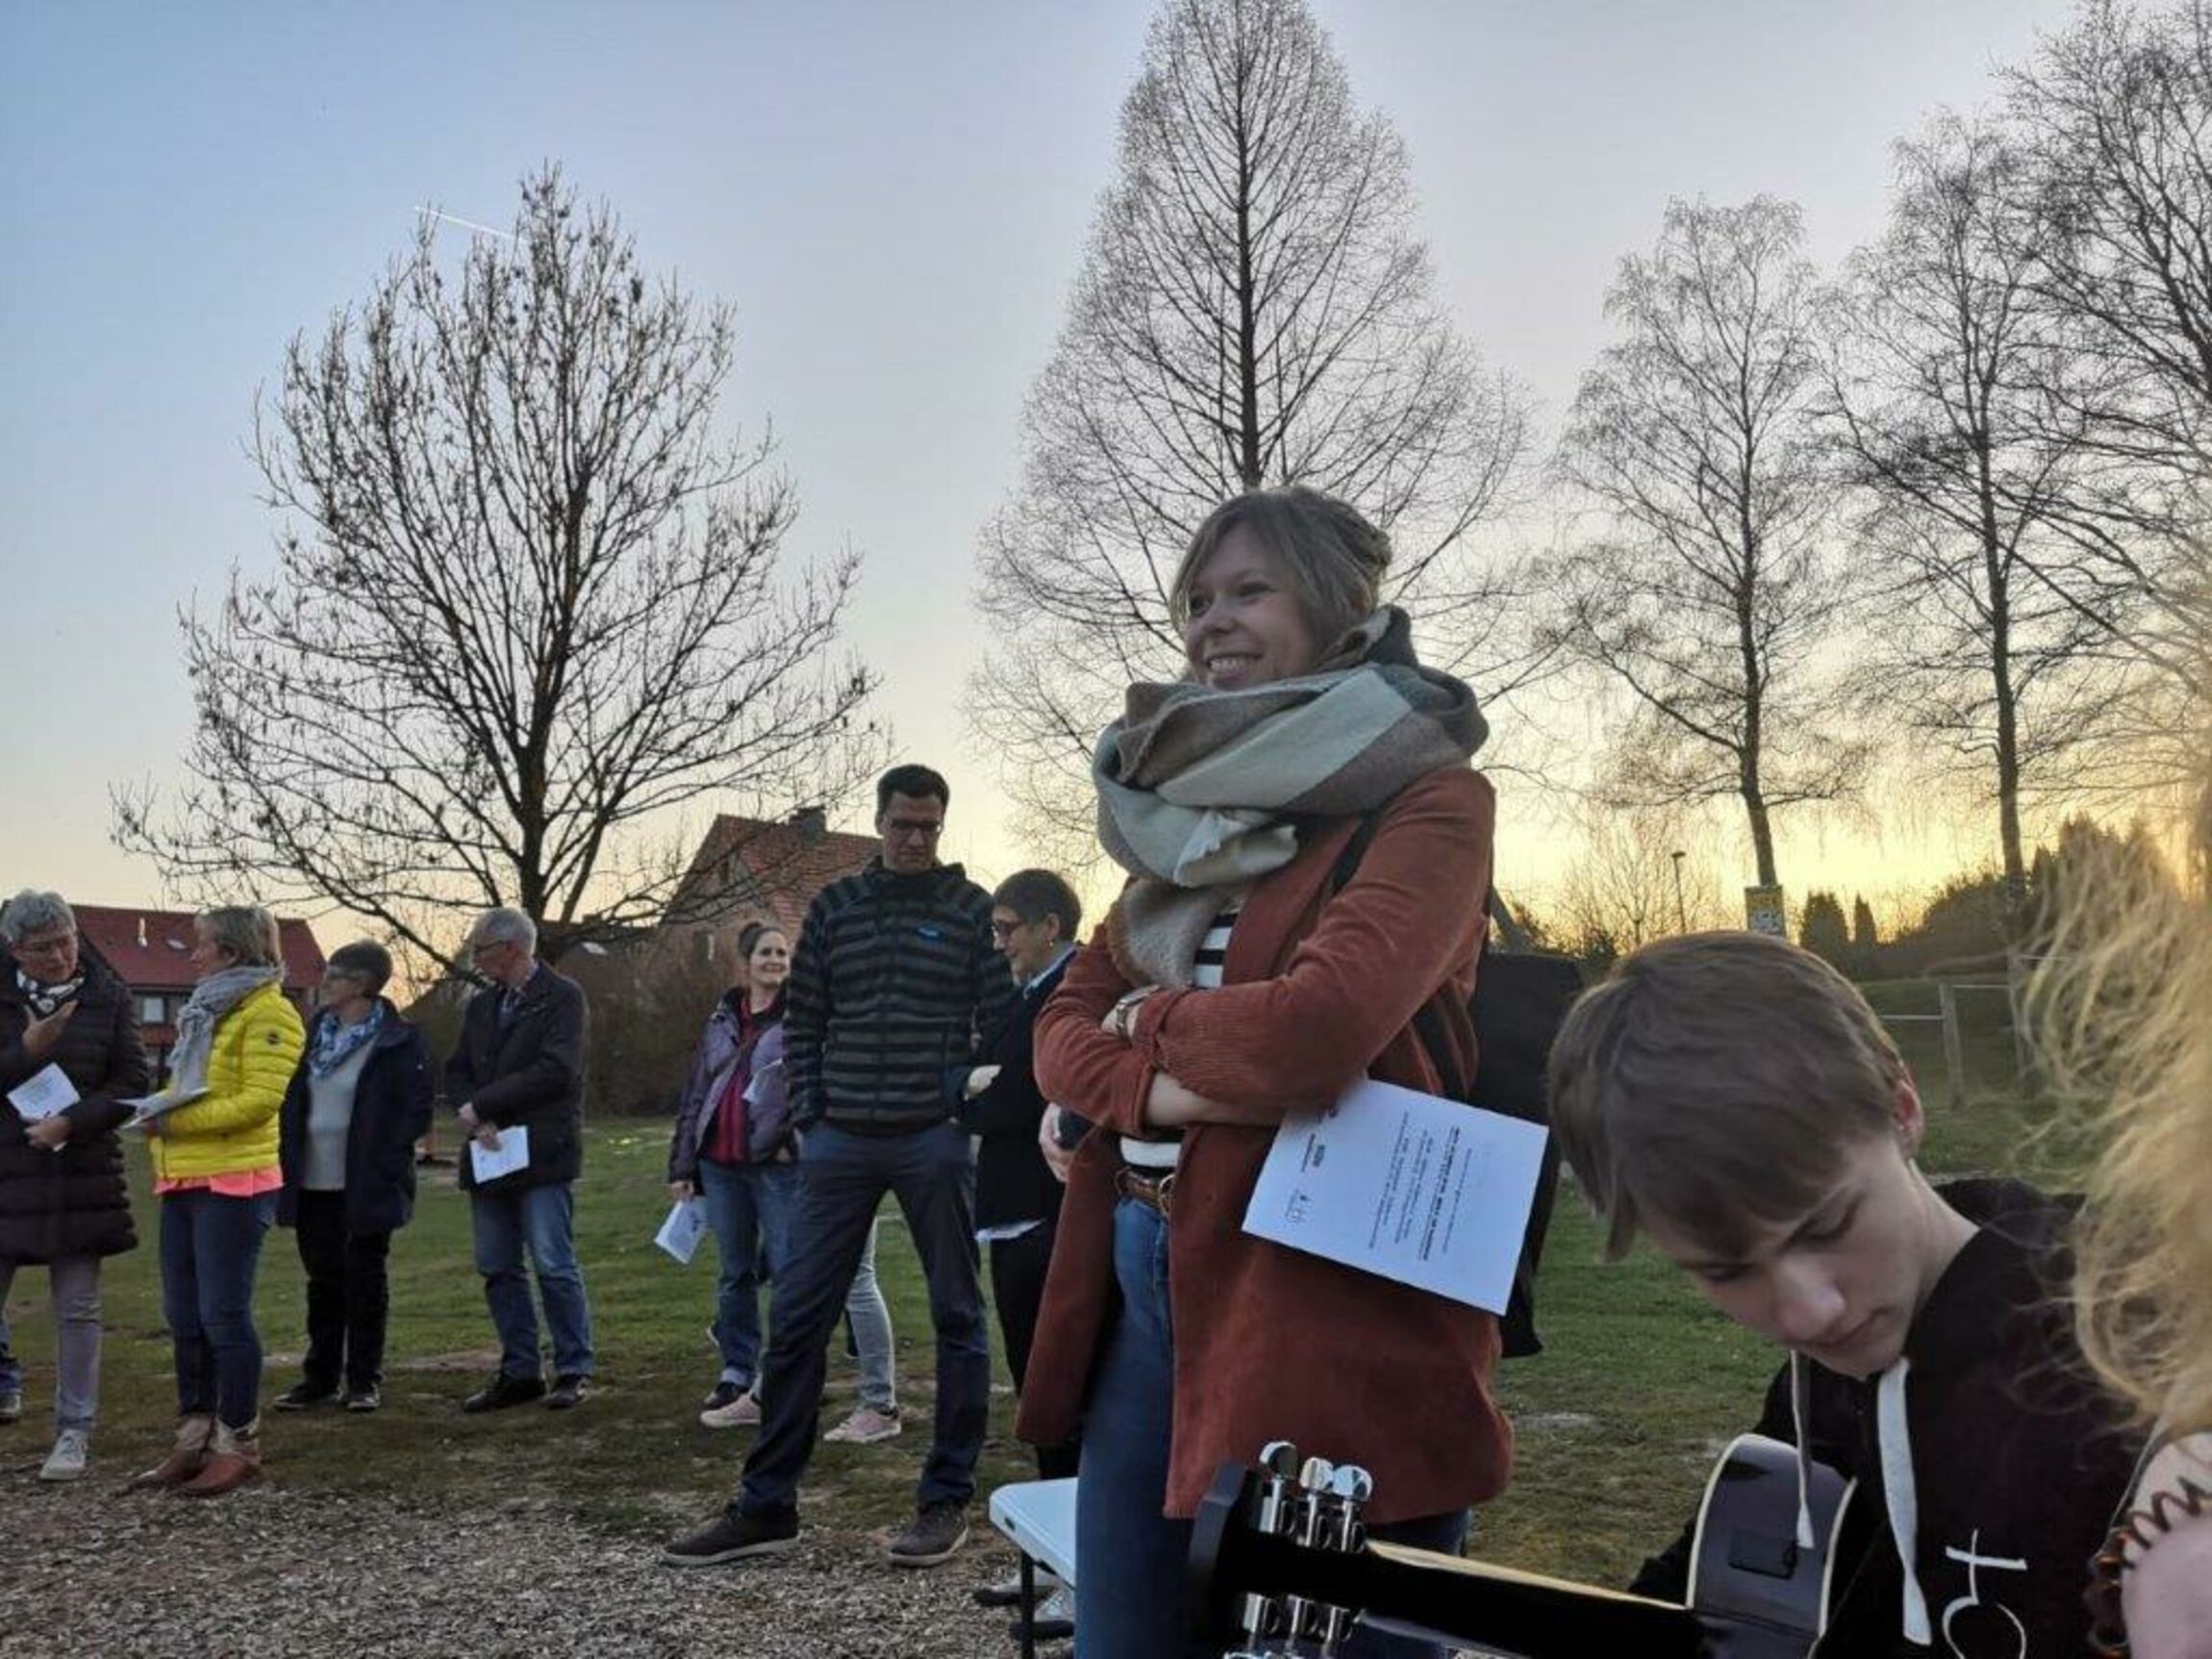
(1245, 627)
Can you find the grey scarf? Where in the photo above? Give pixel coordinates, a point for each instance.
(1199, 791)
(211, 998)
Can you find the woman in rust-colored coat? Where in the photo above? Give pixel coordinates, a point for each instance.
(1233, 985)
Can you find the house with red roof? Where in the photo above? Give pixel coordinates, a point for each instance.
(757, 869)
(149, 951)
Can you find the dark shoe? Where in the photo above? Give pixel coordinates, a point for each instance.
(725, 1394)
(1007, 1592)
(1051, 1619)
(931, 1537)
(305, 1397)
(732, 1536)
(363, 1398)
(504, 1391)
(568, 1394)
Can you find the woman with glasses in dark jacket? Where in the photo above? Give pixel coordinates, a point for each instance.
(62, 1200)
(346, 1135)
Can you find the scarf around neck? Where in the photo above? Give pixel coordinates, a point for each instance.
(43, 997)
(1199, 791)
(211, 998)
(333, 1042)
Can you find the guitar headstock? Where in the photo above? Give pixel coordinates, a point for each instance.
(1317, 1505)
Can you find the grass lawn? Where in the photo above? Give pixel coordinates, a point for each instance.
(1617, 1420)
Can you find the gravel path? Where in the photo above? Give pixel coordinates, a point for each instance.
(91, 1571)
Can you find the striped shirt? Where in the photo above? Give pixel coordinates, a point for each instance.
(1163, 1148)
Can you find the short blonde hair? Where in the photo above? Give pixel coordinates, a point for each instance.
(2123, 1003)
(1717, 1081)
(1332, 560)
(247, 931)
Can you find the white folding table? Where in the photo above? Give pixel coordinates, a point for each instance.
(1039, 1517)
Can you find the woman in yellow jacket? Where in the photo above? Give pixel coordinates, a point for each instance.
(214, 1158)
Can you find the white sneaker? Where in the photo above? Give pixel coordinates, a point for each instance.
(866, 1426)
(67, 1461)
(740, 1413)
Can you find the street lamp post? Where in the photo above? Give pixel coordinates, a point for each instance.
(1681, 910)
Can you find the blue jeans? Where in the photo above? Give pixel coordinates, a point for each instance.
(10, 1367)
(1121, 1538)
(210, 1246)
(843, 1179)
(541, 1219)
(749, 1208)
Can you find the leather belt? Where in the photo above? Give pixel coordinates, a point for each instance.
(1154, 1191)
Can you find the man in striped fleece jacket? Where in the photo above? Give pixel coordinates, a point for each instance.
(895, 990)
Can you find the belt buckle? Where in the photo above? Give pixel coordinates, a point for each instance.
(1152, 1189)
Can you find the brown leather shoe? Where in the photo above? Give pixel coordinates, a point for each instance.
(186, 1459)
(235, 1459)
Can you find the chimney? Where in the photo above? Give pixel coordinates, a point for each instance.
(141, 933)
(812, 823)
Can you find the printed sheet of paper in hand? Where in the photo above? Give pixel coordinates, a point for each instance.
(679, 1234)
(47, 1092)
(145, 1108)
(1428, 1192)
(513, 1153)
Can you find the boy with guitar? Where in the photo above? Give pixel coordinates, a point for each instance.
(1736, 1100)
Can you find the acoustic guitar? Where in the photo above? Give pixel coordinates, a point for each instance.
(1282, 1568)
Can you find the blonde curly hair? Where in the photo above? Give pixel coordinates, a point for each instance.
(2123, 1004)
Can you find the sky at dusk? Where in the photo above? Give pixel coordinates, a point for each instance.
(894, 197)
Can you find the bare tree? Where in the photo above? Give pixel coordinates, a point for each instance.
(1959, 466)
(525, 605)
(1253, 310)
(1635, 876)
(2116, 116)
(1703, 591)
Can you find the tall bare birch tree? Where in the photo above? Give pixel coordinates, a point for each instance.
(525, 601)
(1703, 588)
(2114, 116)
(1253, 310)
(1959, 461)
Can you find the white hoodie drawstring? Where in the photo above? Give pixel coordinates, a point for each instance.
(1900, 1496)
(1801, 1395)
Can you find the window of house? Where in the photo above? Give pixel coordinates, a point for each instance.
(152, 1011)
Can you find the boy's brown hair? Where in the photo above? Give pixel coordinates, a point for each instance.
(1716, 1081)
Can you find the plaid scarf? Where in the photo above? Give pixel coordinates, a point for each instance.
(1199, 792)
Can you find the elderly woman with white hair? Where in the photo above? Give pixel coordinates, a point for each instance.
(214, 1147)
(63, 1204)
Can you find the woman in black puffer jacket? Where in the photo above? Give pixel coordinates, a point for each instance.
(62, 1202)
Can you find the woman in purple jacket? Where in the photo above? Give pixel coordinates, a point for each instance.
(733, 1148)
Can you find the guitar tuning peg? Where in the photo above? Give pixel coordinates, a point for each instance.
(1316, 1474)
(1352, 1482)
(1280, 1459)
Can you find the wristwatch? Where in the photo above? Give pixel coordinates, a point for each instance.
(1125, 1011)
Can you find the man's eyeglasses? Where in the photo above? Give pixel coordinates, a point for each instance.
(53, 945)
(908, 829)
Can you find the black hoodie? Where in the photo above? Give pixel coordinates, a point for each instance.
(2015, 1460)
